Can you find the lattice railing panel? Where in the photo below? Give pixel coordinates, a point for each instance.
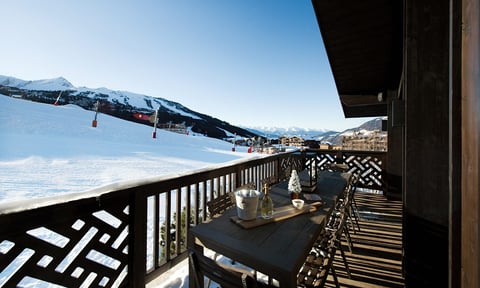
(287, 164)
(369, 166)
(325, 159)
(90, 250)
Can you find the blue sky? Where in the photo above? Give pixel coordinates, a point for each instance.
(250, 63)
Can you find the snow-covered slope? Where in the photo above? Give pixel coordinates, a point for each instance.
(47, 149)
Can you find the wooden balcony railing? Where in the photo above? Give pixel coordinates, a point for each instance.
(117, 236)
(369, 165)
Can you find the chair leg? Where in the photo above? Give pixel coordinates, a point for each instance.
(342, 252)
(348, 211)
(355, 213)
(349, 239)
(334, 274)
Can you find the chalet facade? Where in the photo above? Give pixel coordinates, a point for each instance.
(172, 127)
(417, 62)
(292, 141)
(375, 141)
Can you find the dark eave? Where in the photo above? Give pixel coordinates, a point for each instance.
(363, 41)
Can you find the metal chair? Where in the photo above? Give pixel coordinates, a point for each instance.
(270, 180)
(354, 207)
(319, 263)
(335, 229)
(225, 276)
(218, 205)
(349, 205)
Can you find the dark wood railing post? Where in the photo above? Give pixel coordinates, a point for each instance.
(137, 241)
(277, 168)
(178, 220)
(238, 176)
(339, 157)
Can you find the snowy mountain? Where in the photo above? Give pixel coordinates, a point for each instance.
(322, 135)
(367, 127)
(126, 105)
(55, 84)
(275, 132)
(121, 104)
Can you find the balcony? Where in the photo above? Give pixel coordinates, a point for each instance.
(394, 58)
(115, 236)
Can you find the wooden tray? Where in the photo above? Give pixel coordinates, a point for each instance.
(279, 214)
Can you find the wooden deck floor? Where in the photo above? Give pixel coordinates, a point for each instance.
(376, 257)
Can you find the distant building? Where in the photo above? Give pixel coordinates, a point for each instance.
(177, 128)
(292, 141)
(269, 150)
(325, 146)
(311, 143)
(366, 141)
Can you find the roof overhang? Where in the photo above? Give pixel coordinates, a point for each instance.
(363, 41)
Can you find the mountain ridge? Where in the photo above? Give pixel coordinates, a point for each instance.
(322, 135)
(125, 104)
(122, 104)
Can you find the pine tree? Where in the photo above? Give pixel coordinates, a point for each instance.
(294, 182)
(183, 242)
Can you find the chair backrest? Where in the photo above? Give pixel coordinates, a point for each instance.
(287, 173)
(354, 181)
(225, 276)
(271, 180)
(218, 205)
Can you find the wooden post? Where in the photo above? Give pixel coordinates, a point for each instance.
(94, 122)
(154, 133)
(426, 174)
(470, 144)
(396, 130)
(137, 247)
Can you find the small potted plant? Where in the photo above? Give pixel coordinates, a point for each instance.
(294, 187)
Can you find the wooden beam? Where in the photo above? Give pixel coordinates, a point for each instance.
(470, 144)
(455, 144)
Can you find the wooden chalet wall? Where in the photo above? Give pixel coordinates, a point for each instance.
(433, 120)
(426, 175)
(440, 143)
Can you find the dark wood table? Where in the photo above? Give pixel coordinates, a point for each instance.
(276, 249)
